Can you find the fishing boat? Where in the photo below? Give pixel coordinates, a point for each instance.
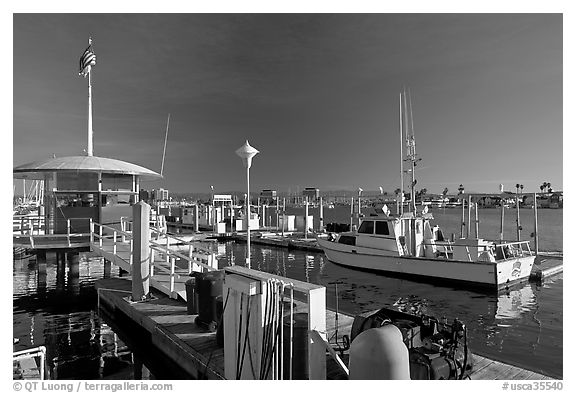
(408, 244)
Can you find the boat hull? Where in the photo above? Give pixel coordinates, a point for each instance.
(500, 274)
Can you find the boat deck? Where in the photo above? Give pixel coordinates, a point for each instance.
(174, 333)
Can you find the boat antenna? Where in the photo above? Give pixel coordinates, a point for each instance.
(165, 141)
(411, 142)
(401, 196)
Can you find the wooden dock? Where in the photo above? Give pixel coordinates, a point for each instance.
(290, 242)
(176, 335)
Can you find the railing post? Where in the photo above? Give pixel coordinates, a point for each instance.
(114, 247)
(141, 251)
(68, 231)
(190, 250)
(152, 260)
(172, 261)
(100, 234)
(91, 231)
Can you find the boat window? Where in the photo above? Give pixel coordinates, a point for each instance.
(382, 228)
(366, 227)
(349, 240)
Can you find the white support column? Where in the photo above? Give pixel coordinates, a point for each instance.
(141, 251)
(317, 321)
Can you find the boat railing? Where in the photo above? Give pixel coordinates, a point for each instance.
(498, 250)
(38, 352)
(513, 249)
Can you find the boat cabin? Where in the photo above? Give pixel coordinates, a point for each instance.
(414, 236)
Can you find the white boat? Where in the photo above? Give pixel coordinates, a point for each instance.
(407, 244)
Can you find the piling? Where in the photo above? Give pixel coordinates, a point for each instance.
(73, 271)
(476, 222)
(462, 223)
(306, 219)
(502, 219)
(351, 212)
(469, 216)
(141, 251)
(535, 225)
(321, 223)
(517, 217)
(196, 218)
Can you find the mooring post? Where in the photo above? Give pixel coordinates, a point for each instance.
(283, 215)
(321, 222)
(73, 271)
(196, 217)
(462, 222)
(476, 222)
(141, 251)
(306, 218)
(517, 217)
(469, 216)
(351, 213)
(535, 225)
(502, 218)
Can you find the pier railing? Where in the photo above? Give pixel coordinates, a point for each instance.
(39, 352)
(165, 260)
(28, 225)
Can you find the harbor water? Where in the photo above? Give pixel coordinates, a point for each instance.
(55, 304)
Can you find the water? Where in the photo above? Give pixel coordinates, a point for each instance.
(56, 306)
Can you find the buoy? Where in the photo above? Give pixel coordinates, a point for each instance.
(379, 353)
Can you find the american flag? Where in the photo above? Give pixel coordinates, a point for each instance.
(87, 60)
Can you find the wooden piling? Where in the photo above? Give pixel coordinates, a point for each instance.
(535, 225)
(196, 218)
(321, 222)
(141, 251)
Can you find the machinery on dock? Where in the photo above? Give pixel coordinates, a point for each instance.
(436, 348)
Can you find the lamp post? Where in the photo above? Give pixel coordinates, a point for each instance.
(247, 152)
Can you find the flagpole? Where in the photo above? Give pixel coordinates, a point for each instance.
(90, 134)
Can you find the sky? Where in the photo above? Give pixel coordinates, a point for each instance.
(316, 94)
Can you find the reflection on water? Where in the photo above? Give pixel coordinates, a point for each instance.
(54, 304)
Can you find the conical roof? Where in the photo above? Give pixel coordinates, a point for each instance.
(79, 164)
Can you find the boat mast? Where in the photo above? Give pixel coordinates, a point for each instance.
(411, 144)
(401, 161)
(165, 140)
